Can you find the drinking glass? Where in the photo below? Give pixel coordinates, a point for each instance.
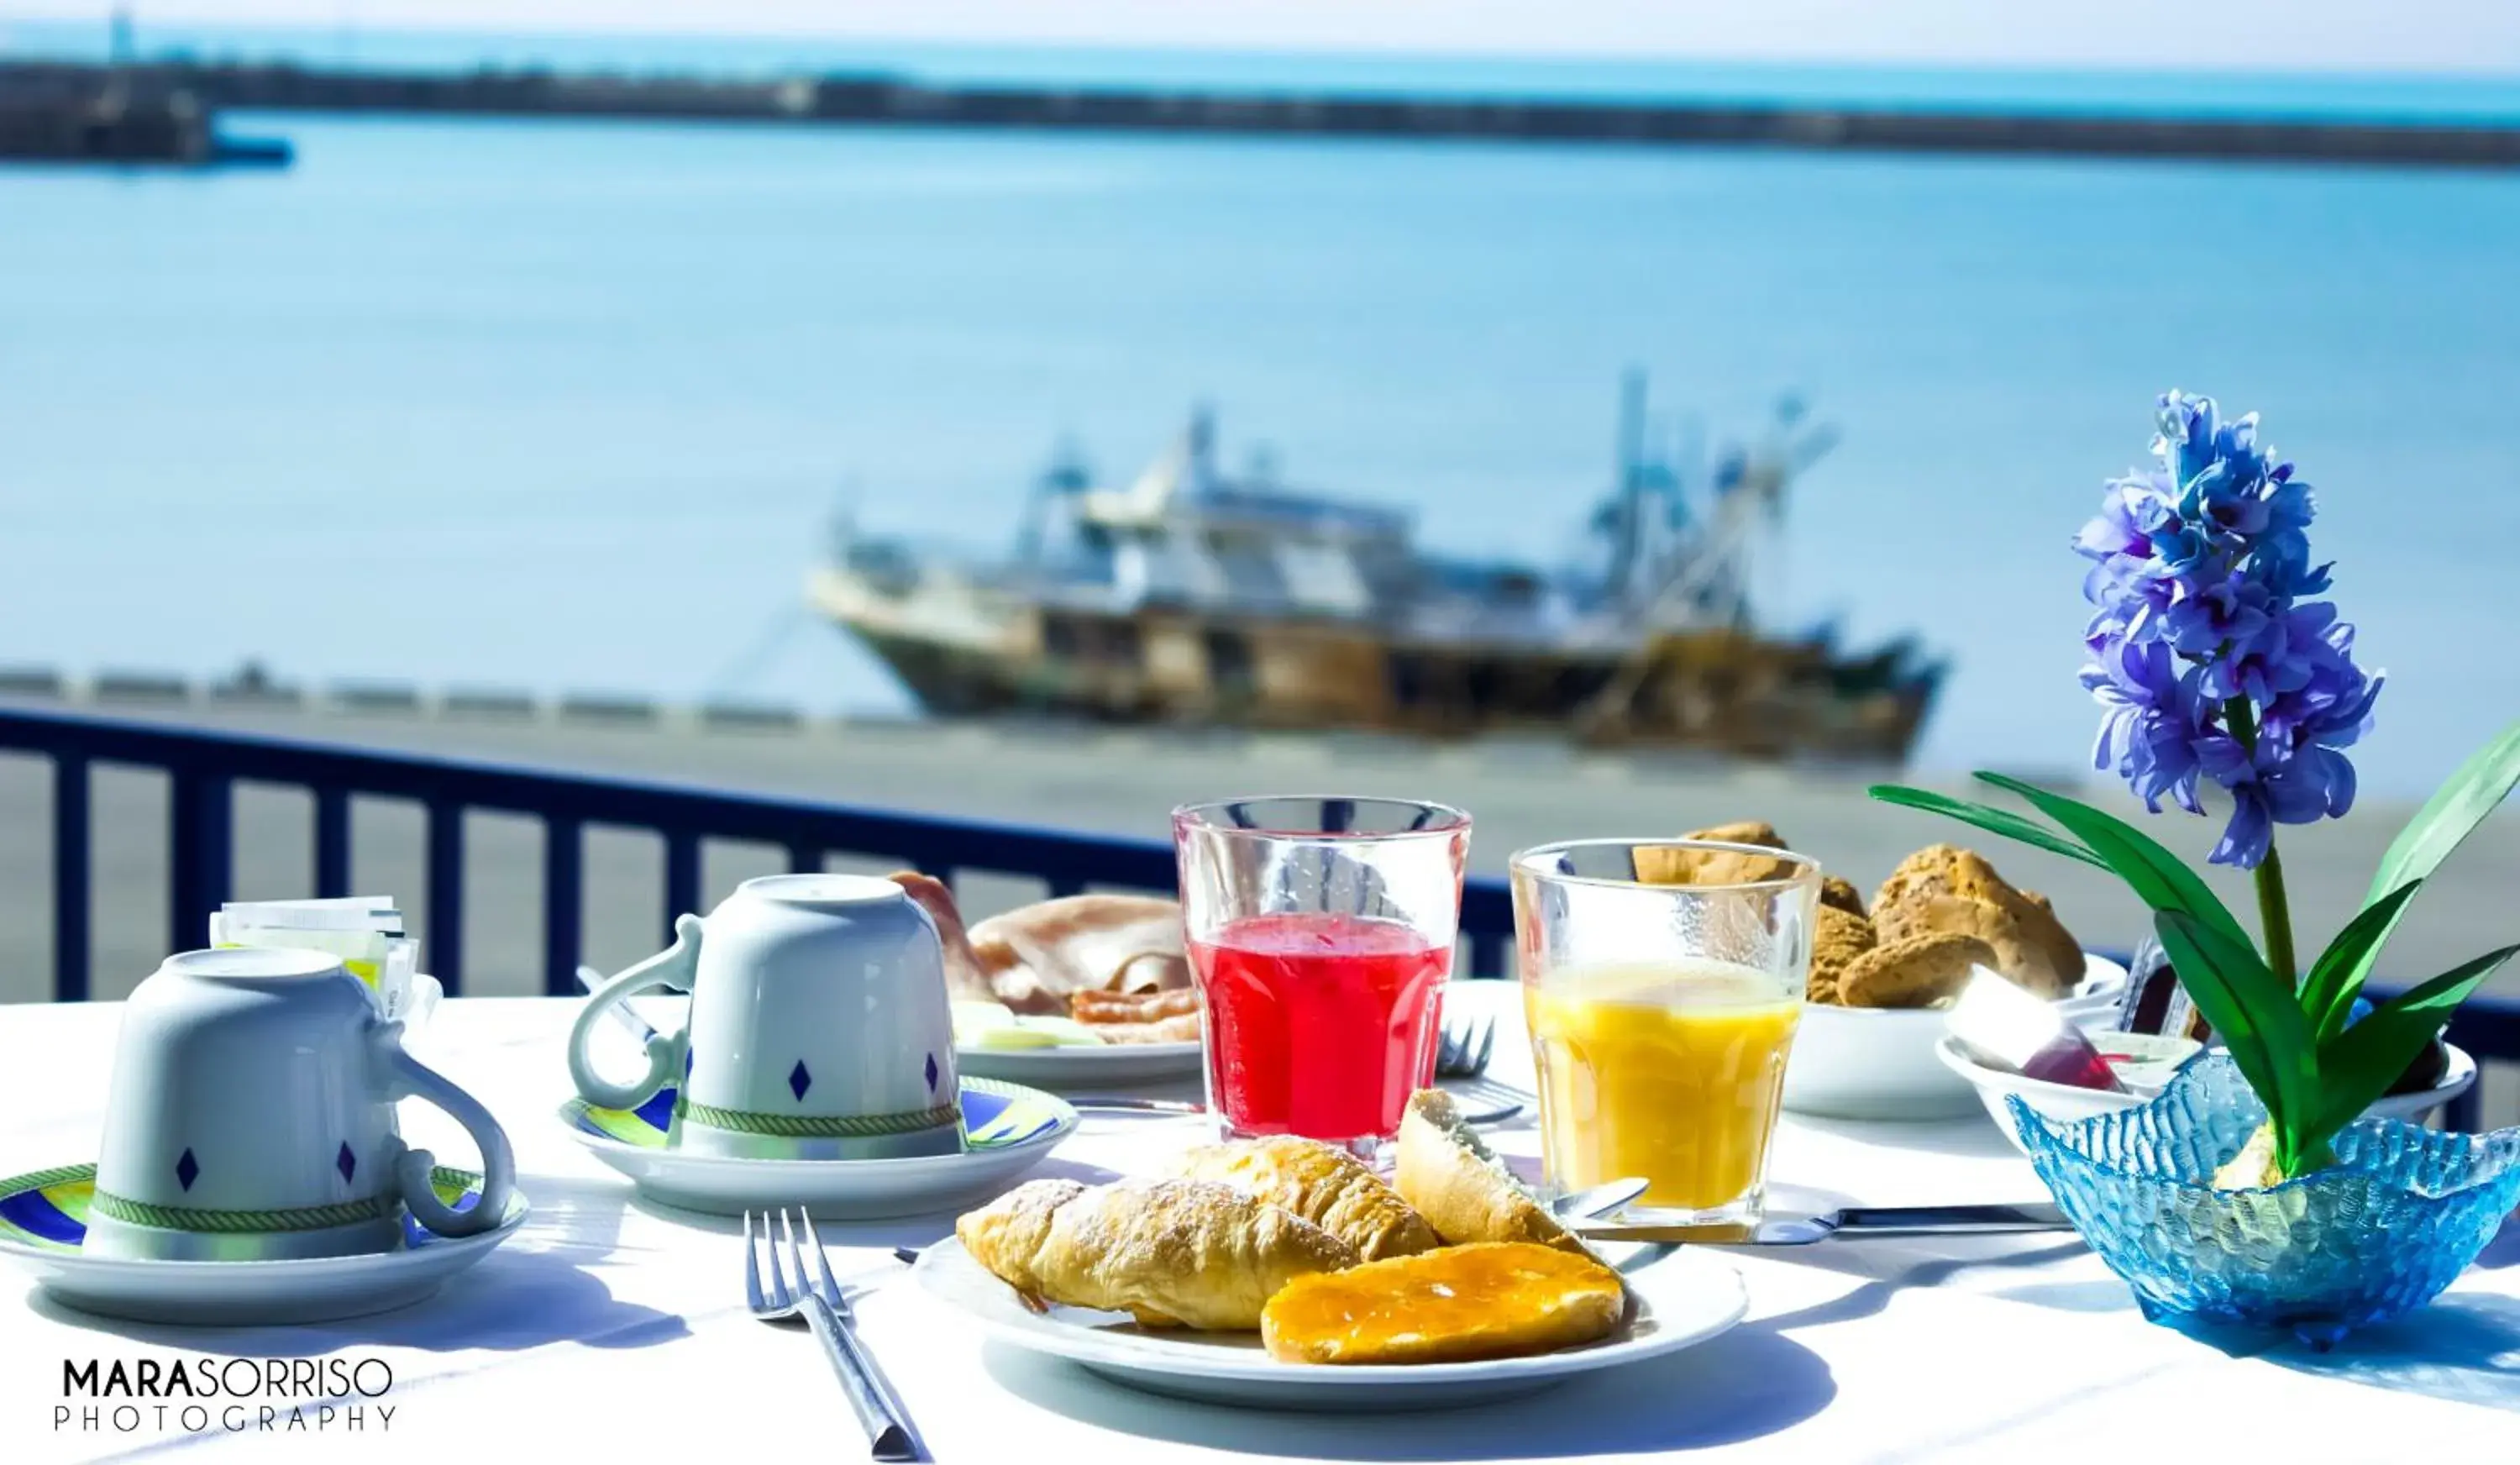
(1662, 1014)
(1321, 933)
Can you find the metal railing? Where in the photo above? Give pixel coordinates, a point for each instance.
(205, 765)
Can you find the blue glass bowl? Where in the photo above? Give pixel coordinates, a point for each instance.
(2400, 1214)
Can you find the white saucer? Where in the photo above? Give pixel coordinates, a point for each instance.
(1682, 1298)
(1009, 1130)
(43, 1221)
(1083, 1067)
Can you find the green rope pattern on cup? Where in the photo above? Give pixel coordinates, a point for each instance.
(821, 1127)
(187, 1218)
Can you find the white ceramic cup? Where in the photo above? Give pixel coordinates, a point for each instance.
(819, 1027)
(251, 1116)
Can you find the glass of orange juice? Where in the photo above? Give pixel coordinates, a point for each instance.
(1662, 1014)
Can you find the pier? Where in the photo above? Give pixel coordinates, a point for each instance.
(888, 100)
(111, 115)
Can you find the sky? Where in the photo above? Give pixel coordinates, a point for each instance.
(2356, 36)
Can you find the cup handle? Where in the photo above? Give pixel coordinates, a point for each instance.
(412, 1079)
(671, 967)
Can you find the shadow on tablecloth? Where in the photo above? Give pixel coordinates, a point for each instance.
(2464, 1347)
(1872, 1295)
(2505, 1249)
(1748, 1383)
(540, 1287)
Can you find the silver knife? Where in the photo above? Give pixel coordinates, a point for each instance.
(1854, 1221)
(590, 979)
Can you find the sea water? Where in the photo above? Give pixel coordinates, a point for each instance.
(570, 405)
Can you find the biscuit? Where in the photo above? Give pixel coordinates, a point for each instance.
(1913, 973)
(1841, 893)
(1665, 866)
(1945, 890)
(1837, 939)
(2049, 934)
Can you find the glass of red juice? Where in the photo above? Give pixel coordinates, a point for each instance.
(1321, 932)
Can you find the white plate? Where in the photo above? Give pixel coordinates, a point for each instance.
(1083, 1067)
(1011, 1130)
(41, 1227)
(2064, 1103)
(1880, 1063)
(1682, 1298)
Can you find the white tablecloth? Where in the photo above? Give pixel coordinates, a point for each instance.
(609, 1332)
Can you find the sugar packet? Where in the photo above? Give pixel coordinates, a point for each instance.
(365, 931)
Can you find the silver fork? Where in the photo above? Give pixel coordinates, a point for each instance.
(1463, 1048)
(826, 1312)
(1462, 1051)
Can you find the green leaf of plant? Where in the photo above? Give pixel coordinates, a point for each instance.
(1994, 820)
(2336, 979)
(2454, 810)
(2158, 878)
(2446, 818)
(2255, 1015)
(2357, 1065)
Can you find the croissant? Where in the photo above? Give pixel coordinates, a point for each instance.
(1328, 1187)
(1169, 1253)
(1031, 958)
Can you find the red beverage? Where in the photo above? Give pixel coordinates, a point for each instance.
(1320, 1025)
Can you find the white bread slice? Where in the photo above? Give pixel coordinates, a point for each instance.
(1459, 1186)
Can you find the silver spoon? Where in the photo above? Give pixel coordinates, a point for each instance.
(1597, 1200)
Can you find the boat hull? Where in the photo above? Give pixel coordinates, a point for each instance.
(1721, 691)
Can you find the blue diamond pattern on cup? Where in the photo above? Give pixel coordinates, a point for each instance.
(345, 1162)
(931, 1073)
(187, 1168)
(798, 1081)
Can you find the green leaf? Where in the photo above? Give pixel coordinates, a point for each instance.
(2446, 818)
(2253, 1011)
(2454, 810)
(2158, 878)
(2336, 979)
(1994, 820)
(2358, 1064)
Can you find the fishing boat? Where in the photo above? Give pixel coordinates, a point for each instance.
(1193, 595)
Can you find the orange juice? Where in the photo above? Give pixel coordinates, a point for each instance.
(1671, 1071)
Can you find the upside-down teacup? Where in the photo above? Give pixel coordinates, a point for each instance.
(251, 1115)
(820, 1027)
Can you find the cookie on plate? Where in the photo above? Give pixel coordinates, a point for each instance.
(1917, 972)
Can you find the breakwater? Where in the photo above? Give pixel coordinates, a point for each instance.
(881, 99)
(98, 114)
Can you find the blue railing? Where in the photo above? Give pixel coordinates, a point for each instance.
(205, 765)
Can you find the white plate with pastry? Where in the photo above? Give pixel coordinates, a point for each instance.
(1286, 1274)
(1108, 1066)
(995, 1041)
(1082, 991)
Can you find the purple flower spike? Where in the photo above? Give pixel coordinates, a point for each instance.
(2206, 657)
